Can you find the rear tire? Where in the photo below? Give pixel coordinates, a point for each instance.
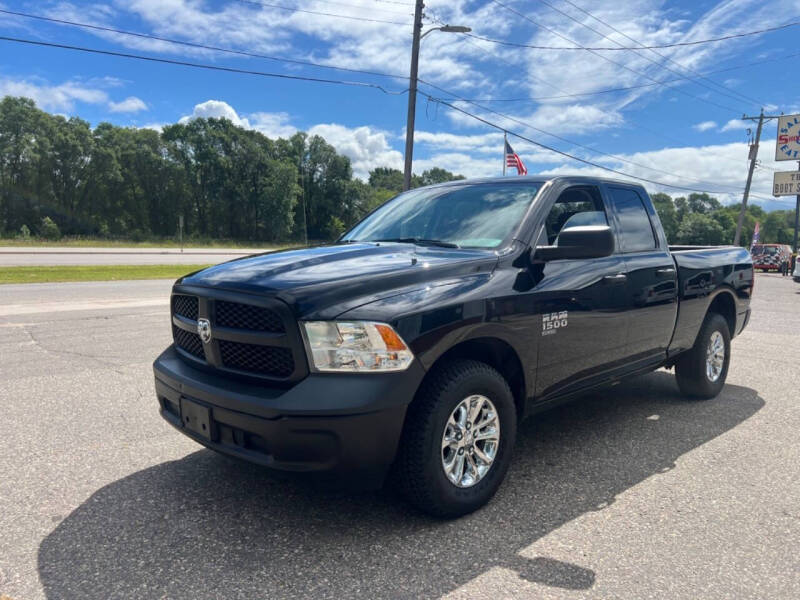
(701, 372)
(420, 468)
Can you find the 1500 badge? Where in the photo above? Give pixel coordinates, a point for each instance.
(552, 322)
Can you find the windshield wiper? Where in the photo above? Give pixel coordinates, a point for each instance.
(420, 242)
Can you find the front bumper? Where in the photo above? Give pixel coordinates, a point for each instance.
(345, 425)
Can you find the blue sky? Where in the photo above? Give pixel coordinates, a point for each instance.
(685, 132)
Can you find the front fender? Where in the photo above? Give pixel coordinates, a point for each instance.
(437, 318)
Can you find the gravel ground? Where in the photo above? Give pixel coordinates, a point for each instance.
(627, 493)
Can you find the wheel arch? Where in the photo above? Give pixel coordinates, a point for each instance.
(498, 354)
(724, 304)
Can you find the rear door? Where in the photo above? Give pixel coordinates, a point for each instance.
(652, 285)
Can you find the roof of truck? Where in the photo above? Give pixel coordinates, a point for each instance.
(538, 179)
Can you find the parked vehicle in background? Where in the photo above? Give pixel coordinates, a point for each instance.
(771, 257)
(414, 345)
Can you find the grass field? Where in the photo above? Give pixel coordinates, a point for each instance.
(73, 242)
(93, 273)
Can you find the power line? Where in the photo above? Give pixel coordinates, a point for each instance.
(359, 84)
(199, 46)
(640, 47)
(626, 67)
(314, 12)
(660, 55)
(364, 6)
(491, 54)
(201, 65)
(634, 87)
(641, 54)
(563, 139)
(567, 154)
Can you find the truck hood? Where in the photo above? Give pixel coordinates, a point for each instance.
(324, 281)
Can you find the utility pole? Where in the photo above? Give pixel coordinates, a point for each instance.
(753, 158)
(762, 118)
(412, 94)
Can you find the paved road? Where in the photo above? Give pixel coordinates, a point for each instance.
(11, 256)
(630, 493)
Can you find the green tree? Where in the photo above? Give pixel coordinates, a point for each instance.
(437, 175)
(665, 208)
(700, 229)
(49, 230)
(387, 179)
(703, 203)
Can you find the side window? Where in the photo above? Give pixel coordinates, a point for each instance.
(636, 230)
(575, 206)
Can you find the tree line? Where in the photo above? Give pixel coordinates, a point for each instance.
(700, 219)
(59, 176)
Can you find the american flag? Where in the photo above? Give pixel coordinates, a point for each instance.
(513, 160)
(755, 237)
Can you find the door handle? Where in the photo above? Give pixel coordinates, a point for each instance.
(618, 278)
(669, 271)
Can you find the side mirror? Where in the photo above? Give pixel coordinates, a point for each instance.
(585, 241)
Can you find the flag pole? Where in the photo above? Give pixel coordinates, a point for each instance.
(505, 158)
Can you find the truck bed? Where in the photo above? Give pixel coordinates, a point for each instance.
(701, 271)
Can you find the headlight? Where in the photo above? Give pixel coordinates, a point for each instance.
(356, 346)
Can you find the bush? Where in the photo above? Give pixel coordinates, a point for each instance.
(25, 232)
(49, 230)
(335, 228)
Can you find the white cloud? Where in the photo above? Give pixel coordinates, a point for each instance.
(159, 127)
(488, 142)
(735, 125)
(273, 125)
(129, 105)
(468, 66)
(63, 97)
(59, 98)
(715, 167)
(555, 118)
(215, 109)
(367, 148)
(704, 126)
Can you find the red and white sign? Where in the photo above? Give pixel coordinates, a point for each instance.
(788, 146)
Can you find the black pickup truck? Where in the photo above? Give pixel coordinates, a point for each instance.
(412, 346)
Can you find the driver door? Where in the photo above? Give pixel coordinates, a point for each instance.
(582, 302)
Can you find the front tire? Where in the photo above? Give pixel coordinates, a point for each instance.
(457, 439)
(701, 372)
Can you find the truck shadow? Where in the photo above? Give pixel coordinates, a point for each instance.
(206, 526)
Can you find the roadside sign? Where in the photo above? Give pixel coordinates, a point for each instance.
(786, 183)
(788, 144)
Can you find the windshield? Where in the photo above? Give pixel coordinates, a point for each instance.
(765, 250)
(474, 216)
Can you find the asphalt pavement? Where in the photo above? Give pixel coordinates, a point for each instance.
(633, 492)
(20, 256)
